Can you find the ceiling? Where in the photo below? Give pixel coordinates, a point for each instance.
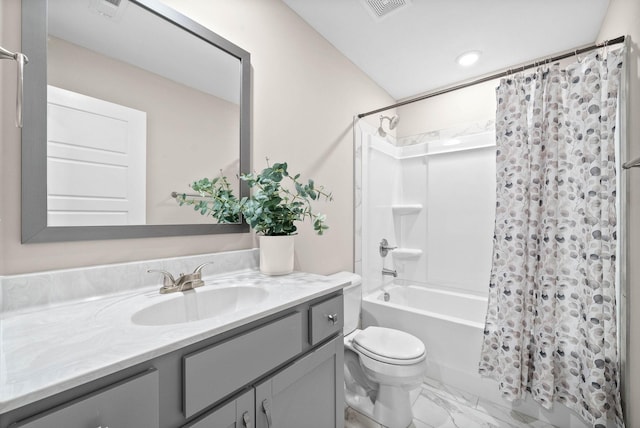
(134, 36)
(413, 49)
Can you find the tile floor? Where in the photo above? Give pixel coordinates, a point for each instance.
(438, 406)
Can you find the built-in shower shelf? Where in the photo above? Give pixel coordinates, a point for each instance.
(404, 209)
(406, 253)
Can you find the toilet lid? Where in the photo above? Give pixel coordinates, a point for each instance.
(389, 345)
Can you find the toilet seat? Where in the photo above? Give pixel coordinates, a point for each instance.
(389, 346)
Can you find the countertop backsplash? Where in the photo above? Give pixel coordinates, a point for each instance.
(33, 290)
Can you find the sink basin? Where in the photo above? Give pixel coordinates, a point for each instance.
(199, 304)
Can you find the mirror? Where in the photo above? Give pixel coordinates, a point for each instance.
(126, 101)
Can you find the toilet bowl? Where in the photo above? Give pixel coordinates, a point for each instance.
(382, 365)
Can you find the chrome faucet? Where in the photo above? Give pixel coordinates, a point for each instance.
(184, 282)
(390, 272)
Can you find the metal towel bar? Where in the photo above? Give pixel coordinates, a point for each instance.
(175, 194)
(21, 59)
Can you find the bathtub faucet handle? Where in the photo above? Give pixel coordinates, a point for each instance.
(385, 248)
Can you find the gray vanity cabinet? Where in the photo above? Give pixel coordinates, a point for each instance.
(308, 393)
(282, 371)
(130, 403)
(237, 413)
(305, 394)
(211, 373)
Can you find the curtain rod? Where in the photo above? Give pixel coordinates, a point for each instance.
(497, 75)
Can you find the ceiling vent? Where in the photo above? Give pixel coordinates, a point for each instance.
(380, 9)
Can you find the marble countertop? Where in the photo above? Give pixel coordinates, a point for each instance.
(50, 349)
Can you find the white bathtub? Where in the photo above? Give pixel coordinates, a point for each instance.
(450, 323)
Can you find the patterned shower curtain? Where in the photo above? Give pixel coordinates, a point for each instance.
(551, 321)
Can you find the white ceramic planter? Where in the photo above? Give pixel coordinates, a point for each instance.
(276, 255)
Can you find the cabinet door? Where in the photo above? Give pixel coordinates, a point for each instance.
(130, 403)
(309, 393)
(238, 413)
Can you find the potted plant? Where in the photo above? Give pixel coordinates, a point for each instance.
(278, 200)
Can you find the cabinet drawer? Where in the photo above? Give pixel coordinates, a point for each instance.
(325, 319)
(213, 373)
(131, 403)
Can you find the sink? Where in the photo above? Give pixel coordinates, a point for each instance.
(199, 304)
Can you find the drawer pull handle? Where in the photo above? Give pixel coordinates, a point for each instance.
(266, 408)
(333, 318)
(246, 420)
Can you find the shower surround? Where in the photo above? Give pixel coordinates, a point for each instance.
(433, 196)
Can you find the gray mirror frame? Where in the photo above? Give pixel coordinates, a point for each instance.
(34, 134)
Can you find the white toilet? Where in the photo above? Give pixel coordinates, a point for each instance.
(381, 365)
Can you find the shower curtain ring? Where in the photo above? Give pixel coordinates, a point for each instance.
(577, 57)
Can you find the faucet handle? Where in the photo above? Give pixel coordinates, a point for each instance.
(384, 248)
(198, 270)
(169, 281)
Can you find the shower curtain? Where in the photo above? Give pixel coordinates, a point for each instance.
(551, 322)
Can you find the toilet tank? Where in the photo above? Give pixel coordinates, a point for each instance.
(352, 300)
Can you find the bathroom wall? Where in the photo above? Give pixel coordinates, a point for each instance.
(461, 211)
(469, 105)
(305, 94)
(379, 183)
(458, 187)
(412, 228)
(432, 195)
(623, 18)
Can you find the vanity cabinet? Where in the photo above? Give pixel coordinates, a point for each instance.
(237, 413)
(130, 403)
(325, 319)
(281, 371)
(210, 374)
(304, 394)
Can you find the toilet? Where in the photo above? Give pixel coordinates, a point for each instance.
(381, 365)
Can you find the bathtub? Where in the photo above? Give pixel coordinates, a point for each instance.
(450, 323)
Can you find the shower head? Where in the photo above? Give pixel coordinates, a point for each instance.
(393, 122)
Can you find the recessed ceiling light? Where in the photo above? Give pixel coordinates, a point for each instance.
(468, 58)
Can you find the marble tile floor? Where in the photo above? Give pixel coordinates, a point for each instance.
(438, 406)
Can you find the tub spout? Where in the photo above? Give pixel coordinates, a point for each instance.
(389, 272)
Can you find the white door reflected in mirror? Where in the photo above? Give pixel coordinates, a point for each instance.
(96, 161)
